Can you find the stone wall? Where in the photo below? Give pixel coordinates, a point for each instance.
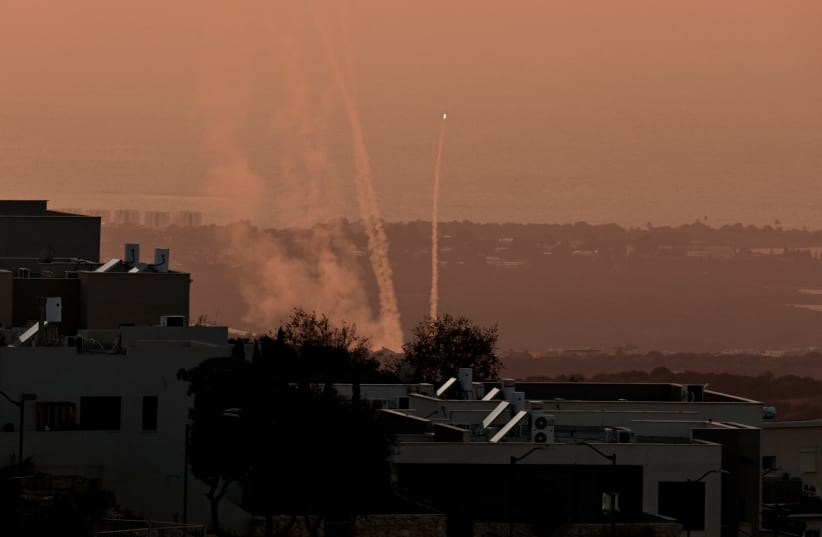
(400, 526)
(407, 525)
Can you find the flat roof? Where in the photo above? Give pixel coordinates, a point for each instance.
(33, 208)
(791, 424)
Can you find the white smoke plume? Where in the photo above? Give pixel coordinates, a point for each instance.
(317, 266)
(366, 191)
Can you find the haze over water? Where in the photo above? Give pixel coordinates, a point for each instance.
(627, 112)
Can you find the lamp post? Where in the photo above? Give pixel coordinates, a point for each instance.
(514, 460)
(612, 458)
(697, 480)
(21, 404)
(185, 472)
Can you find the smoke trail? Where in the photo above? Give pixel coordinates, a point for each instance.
(435, 215)
(315, 268)
(367, 200)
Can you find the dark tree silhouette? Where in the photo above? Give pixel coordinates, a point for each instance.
(276, 426)
(309, 348)
(218, 442)
(439, 347)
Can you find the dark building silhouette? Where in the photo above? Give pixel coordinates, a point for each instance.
(46, 254)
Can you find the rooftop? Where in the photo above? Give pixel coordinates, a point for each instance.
(30, 208)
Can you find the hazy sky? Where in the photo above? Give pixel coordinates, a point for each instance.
(627, 111)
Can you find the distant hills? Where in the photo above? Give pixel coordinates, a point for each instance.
(574, 286)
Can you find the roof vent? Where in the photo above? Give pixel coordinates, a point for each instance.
(132, 254)
(161, 259)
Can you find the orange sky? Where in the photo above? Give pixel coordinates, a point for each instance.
(628, 111)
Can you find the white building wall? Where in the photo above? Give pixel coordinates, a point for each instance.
(797, 447)
(143, 468)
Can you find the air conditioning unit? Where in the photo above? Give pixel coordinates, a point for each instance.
(610, 435)
(624, 435)
(172, 320)
(542, 425)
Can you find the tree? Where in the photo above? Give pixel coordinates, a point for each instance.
(309, 348)
(217, 443)
(440, 346)
(271, 426)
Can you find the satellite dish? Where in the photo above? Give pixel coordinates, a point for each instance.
(407, 373)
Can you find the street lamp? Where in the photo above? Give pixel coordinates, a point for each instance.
(514, 460)
(612, 457)
(697, 480)
(186, 456)
(21, 404)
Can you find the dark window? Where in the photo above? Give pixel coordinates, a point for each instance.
(100, 413)
(768, 462)
(149, 412)
(58, 416)
(811, 533)
(684, 501)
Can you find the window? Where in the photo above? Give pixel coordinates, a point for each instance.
(149, 412)
(769, 462)
(56, 416)
(100, 413)
(684, 501)
(807, 460)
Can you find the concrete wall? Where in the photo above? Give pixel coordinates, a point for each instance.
(51, 234)
(741, 494)
(112, 299)
(787, 441)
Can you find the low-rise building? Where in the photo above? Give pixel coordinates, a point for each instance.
(553, 454)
